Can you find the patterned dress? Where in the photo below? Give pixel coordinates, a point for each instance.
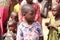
(29, 33)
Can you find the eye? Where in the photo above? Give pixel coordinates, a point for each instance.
(11, 17)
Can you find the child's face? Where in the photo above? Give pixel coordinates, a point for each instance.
(54, 11)
(13, 16)
(29, 16)
(12, 27)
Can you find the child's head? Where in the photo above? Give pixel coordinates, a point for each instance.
(54, 10)
(29, 1)
(12, 25)
(14, 16)
(28, 12)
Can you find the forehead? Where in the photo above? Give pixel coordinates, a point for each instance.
(14, 14)
(54, 8)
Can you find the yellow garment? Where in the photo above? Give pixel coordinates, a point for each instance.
(53, 33)
(16, 8)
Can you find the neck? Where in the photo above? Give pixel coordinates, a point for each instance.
(29, 22)
(30, 3)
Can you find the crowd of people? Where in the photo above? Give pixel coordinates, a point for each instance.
(29, 20)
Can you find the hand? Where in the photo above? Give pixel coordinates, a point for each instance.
(54, 26)
(46, 24)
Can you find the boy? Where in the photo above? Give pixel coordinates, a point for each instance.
(28, 28)
(11, 30)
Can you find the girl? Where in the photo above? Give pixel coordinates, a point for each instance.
(54, 24)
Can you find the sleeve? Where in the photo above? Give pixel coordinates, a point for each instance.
(58, 30)
(19, 33)
(37, 13)
(39, 29)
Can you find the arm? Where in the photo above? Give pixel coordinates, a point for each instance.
(51, 25)
(39, 29)
(54, 26)
(37, 13)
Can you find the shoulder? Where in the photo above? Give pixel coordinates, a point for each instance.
(21, 25)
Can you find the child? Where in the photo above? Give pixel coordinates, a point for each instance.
(37, 11)
(28, 28)
(54, 25)
(13, 16)
(11, 30)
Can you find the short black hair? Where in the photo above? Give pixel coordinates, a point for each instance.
(20, 1)
(40, 0)
(25, 8)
